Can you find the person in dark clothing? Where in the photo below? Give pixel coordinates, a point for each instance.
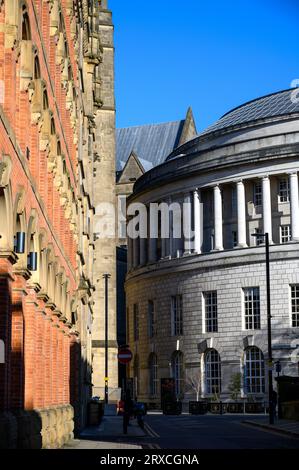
(139, 411)
(128, 410)
(274, 402)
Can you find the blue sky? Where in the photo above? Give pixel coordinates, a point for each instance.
(211, 55)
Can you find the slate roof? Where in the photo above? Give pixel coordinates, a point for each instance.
(276, 104)
(151, 143)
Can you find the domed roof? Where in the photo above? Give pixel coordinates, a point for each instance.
(278, 112)
(274, 105)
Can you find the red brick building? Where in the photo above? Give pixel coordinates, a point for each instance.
(44, 283)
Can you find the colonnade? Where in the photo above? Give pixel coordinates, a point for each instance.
(143, 250)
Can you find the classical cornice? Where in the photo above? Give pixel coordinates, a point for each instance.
(185, 166)
(213, 261)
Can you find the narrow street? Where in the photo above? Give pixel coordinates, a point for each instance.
(213, 432)
(186, 432)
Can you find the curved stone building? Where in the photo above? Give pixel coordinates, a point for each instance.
(196, 304)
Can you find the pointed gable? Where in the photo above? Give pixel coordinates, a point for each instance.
(189, 129)
(150, 144)
(132, 171)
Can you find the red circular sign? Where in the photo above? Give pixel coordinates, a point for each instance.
(125, 356)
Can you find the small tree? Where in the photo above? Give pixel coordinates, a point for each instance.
(193, 382)
(235, 386)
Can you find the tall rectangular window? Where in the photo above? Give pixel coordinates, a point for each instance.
(285, 234)
(259, 240)
(151, 318)
(177, 315)
(284, 190)
(136, 322)
(295, 305)
(252, 314)
(257, 194)
(211, 314)
(235, 238)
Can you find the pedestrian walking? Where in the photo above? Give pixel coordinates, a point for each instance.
(139, 412)
(274, 403)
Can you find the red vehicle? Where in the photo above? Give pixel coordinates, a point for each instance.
(120, 407)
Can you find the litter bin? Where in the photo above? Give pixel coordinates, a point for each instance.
(95, 412)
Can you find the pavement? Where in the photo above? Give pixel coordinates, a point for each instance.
(109, 435)
(282, 426)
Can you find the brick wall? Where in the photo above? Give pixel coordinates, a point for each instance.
(35, 306)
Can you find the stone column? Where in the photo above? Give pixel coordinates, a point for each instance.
(152, 240)
(241, 215)
(218, 219)
(294, 206)
(187, 223)
(197, 221)
(267, 211)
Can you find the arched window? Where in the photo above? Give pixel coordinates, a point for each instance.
(153, 374)
(136, 375)
(26, 31)
(254, 371)
(37, 74)
(19, 236)
(61, 24)
(53, 130)
(45, 100)
(66, 48)
(177, 364)
(213, 372)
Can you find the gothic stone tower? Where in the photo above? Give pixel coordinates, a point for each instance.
(104, 196)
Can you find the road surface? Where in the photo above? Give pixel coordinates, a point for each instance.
(211, 432)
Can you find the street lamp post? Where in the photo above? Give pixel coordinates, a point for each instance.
(269, 335)
(106, 277)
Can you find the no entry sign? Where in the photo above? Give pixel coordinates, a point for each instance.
(125, 356)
